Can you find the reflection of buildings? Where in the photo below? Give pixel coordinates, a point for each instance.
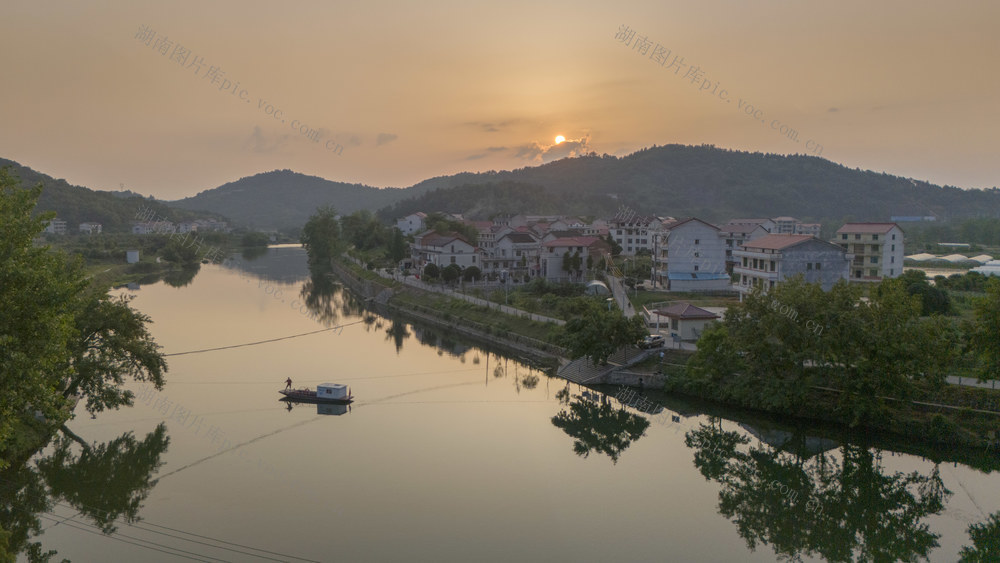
(805, 446)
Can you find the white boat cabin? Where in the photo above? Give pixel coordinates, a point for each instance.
(331, 391)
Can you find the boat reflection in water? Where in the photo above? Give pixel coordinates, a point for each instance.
(321, 408)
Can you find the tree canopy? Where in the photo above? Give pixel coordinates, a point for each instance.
(61, 336)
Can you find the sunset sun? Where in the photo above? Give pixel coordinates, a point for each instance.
(559, 139)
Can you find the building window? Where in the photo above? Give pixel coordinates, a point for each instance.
(873, 273)
(894, 248)
(843, 236)
(809, 266)
(673, 324)
(772, 284)
(893, 237)
(696, 241)
(857, 237)
(892, 259)
(744, 261)
(892, 272)
(772, 265)
(818, 264)
(874, 259)
(452, 259)
(874, 237)
(697, 255)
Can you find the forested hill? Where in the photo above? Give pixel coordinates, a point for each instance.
(707, 182)
(115, 211)
(283, 199)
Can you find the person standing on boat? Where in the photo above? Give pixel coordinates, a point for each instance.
(288, 383)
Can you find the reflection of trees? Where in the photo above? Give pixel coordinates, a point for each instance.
(183, 276)
(103, 483)
(985, 541)
(838, 510)
(319, 293)
(397, 332)
(250, 253)
(599, 427)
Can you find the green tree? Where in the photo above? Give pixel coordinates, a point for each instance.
(37, 290)
(59, 335)
(321, 238)
(177, 252)
(398, 249)
(598, 332)
(985, 541)
(472, 273)
(451, 273)
(985, 337)
(431, 272)
(111, 343)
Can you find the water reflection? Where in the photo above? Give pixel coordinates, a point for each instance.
(183, 276)
(596, 426)
(102, 482)
(805, 505)
(321, 408)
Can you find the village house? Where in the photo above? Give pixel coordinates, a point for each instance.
(686, 322)
(877, 250)
(90, 228)
(55, 227)
(635, 234)
(443, 249)
(517, 254)
(691, 256)
(738, 231)
(770, 260)
(412, 223)
(590, 249)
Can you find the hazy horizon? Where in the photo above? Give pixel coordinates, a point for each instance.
(113, 95)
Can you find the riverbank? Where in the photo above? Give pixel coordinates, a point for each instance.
(519, 336)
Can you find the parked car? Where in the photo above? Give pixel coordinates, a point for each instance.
(653, 341)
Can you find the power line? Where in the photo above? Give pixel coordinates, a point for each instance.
(164, 550)
(58, 519)
(338, 327)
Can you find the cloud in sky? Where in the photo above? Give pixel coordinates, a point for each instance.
(539, 153)
(261, 142)
(385, 138)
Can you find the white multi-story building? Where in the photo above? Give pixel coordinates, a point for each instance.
(516, 253)
(739, 231)
(55, 227)
(633, 233)
(90, 228)
(412, 223)
(877, 250)
(770, 260)
(690, 255)
(554, 251)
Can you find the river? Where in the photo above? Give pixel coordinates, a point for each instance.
(451, 453)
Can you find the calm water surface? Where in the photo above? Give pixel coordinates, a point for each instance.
(452, 453)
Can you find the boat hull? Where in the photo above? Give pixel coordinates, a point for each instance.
(303, 396)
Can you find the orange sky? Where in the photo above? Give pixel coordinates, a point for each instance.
(413, 90)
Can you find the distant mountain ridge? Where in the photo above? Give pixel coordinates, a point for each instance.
(711, 183)
(678, 180)
(115, 211)
(283, 199)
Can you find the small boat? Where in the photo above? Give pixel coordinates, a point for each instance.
(324, 393)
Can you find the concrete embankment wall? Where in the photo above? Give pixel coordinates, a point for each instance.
(529, 348)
